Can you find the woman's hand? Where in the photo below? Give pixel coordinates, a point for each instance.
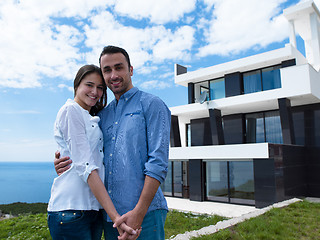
(125, 231)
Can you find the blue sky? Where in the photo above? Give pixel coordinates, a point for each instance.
(43, 43)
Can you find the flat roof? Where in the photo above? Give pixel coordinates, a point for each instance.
(241, 65)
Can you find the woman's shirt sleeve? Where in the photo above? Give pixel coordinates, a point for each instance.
(73, 129)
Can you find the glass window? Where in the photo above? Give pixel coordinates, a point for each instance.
(317, 127)
(298, 126)
(263, 127)
(252, 82)
(188, 127)
(217, 89)
(166, 186)
(273, 127)
(241, 181)
(217, 180)
(271, 78)
(255, 128)
(233, 129)
(177, 179)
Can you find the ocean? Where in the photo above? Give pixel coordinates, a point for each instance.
(26, 181)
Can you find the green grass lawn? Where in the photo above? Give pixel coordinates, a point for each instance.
(298, 221)
(178, 222)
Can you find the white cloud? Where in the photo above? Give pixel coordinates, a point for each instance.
(36, 44)
(154, 43)
(62, 86)
(155, 84)
(240, 25)
(156, 11)
(32, 46)
(167, 75)
(175, 45)
(146, 70)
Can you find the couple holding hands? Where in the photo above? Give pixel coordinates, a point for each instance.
(111, 159)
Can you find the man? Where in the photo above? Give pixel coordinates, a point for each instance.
(136, 131)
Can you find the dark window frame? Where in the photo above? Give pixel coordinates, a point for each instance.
(261, 79)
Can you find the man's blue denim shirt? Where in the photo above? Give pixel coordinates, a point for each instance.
(136, 132)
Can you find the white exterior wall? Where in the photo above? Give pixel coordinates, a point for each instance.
(221, 152)
(242, 65)
(299, 83)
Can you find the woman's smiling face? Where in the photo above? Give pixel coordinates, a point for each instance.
(89, 91)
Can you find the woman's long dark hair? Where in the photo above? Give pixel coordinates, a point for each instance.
(82, 72)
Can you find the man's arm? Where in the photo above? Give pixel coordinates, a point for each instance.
(158, 118)
(61, 164)
(135, 217)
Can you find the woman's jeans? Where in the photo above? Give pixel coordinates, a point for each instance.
(75, 224)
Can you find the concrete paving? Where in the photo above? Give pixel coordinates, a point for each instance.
(313, 199)
(213, 208)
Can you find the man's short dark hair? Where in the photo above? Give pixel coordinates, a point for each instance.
(112, 50)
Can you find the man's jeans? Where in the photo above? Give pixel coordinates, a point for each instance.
(75, 224)
(152, 227)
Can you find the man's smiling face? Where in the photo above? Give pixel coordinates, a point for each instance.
(116, 73)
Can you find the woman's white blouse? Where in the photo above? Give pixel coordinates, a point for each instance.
(78, 136)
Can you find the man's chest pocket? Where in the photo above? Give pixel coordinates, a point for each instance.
(134, 120)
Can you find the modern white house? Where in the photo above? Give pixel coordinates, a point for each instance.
(250, 133)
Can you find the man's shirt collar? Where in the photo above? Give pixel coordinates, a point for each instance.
(127, 95)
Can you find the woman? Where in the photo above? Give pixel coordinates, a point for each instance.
(73, 209)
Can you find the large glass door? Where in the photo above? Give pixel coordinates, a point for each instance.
(177, 183)
(230, 181)
(177, 179)
(217, 180)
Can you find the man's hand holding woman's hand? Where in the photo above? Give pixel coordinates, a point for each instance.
(61, 164)
(132, 219)
(125, 231)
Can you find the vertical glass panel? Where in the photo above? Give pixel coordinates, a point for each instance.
(217, 180)
(177, 179)
(255, 128)
(271, 78)
(188, 126)
(298, 126)
(233, 129)
(317, 127)
(201, 132)
(273, 127)
(185, 182)
(241, 181)
(217, 89)
(166, 186)
(252, 82)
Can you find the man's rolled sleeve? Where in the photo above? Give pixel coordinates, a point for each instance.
(158, 118)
